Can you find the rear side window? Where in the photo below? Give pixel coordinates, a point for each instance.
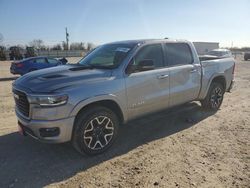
(40, 60)
(151, 52)
(52, 61)
(178, 54)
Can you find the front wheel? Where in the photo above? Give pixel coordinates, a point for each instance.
(214, 97)
(95, 130)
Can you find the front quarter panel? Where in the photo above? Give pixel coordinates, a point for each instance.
(112, 89)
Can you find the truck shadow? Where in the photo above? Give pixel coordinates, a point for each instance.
(25, 162)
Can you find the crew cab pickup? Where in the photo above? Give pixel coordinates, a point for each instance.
(86, 102)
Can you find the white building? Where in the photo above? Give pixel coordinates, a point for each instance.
(204, 47)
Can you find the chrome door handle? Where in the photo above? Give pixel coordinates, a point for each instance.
(163, 76)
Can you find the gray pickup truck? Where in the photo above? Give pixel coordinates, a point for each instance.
(86, 102)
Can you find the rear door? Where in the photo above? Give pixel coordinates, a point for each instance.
(185, 75)
(148, 91)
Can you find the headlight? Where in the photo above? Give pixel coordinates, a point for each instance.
(47, 101)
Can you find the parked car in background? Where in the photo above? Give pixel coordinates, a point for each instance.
(85, 103)
(246, 56)
(34, 63)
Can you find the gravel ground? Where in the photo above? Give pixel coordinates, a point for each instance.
(182, 147)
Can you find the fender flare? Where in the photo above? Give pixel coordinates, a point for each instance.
(99, 98)
(210, 81)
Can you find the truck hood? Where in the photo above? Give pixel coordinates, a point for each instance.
(61, 77)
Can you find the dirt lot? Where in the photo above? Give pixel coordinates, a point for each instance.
(182, 147)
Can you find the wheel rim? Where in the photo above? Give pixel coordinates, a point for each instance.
(216, 97)
(98, 132)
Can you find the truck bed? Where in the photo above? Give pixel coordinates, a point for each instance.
(213, 68)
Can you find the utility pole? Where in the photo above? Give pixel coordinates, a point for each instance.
(67, 39)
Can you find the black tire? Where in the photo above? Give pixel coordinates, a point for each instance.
(214, 97)
(95, 130)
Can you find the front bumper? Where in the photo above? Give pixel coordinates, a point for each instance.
(32, 128)
(14, 71)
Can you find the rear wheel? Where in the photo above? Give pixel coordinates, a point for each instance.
(214, 97)
(95, 130)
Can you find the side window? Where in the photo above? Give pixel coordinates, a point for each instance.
(40, 60)
(178, 54)
(52, 61)
(151, 52)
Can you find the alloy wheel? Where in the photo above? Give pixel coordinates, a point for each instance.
(216, 97)
(98, 132)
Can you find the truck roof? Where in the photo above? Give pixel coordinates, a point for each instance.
(141, 41)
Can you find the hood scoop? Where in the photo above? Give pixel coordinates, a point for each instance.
(53, 76)
(80, 68)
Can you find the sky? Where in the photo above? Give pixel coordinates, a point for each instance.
(102, 21)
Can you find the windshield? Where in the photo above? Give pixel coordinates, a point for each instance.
(107, 56)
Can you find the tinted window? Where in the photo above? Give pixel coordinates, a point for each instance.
(150, 52)
(41, 60)
(53, 61)
(178, 54)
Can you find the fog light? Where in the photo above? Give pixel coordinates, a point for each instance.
(49, 132)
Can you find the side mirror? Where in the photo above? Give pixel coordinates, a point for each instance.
(145, 65)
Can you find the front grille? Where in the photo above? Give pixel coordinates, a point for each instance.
(22, 102)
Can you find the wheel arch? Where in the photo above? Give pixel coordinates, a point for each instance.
(220, 78)
(79, 145)
(107, 102)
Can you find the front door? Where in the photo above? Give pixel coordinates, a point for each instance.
(148, 90)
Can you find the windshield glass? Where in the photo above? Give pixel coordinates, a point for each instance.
(107, 56)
